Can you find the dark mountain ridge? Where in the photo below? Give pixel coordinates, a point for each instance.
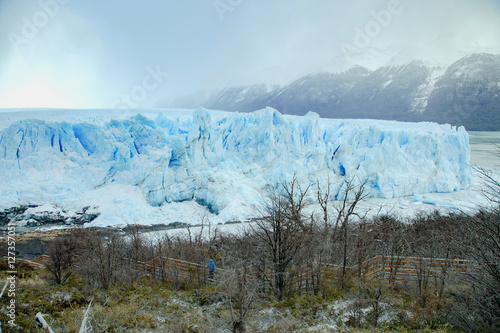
(466, 93)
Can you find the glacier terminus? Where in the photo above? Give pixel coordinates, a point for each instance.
(219, 161)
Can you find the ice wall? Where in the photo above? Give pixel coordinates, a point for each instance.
(224, 160)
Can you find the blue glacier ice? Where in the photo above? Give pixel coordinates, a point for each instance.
(223, 161)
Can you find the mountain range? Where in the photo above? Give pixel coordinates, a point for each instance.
(465, 93)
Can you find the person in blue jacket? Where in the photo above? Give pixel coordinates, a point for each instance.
(211, 269)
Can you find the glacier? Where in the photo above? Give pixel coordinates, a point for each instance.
(218, 161)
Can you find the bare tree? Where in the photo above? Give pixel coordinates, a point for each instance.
(102, 261)
(281, 234)
(324, 198)
(322, 233)
(389, 239)
(491, 189)
(380, 236)
(241, 290)
(62, 258)
(477, 236)
(352, 195)
(482, 244)
(137, 249)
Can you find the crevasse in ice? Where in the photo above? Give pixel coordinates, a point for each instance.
(219, 159)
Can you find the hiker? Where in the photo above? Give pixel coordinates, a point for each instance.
(211, 269)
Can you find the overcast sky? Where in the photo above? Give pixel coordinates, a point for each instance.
(98, 54)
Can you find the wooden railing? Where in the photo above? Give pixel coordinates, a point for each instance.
(401, 269)
(306, 278)
(396, 270)
(41, 260)
(36, 263)
(173, 269)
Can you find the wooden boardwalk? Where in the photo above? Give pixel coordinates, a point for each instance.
(37, 263)
(173, 269)
(402, 269)
(391, 269)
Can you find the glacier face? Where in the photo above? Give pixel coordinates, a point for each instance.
(223, 161)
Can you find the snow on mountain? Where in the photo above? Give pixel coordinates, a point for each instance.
(420, 96)
(463, 93)
(222, 162)
(468, 93)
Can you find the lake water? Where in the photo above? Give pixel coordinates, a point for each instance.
(483, 149)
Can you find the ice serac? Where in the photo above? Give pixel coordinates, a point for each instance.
(223, 161)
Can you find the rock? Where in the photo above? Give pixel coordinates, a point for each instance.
(34, 216)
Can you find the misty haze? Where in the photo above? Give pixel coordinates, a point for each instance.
(250, 166)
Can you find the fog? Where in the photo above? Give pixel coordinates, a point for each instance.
(92, 54)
